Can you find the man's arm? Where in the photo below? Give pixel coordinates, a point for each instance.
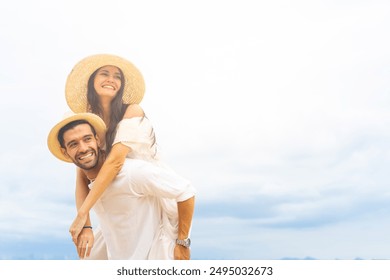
(186, 212)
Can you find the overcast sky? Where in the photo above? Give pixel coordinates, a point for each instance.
(277, 111)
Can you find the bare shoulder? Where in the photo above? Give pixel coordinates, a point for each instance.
(133, 110)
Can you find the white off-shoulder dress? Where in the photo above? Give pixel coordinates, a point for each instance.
(138, 211)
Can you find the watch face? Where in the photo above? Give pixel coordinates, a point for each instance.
(186, 242)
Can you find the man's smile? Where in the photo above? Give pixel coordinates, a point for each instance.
(90, 154)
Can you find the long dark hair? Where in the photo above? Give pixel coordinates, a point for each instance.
(118, 108)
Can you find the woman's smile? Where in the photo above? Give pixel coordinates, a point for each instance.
(107, 81)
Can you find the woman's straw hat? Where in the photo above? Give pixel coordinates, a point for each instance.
(52, 139)
(77, 82)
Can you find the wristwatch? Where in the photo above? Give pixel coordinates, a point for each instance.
(184, 242)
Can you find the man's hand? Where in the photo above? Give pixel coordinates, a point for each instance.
(182, 253)
(85, 243)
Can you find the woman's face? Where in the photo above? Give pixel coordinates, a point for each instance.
(107, 82)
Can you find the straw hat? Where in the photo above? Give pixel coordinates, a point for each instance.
(77, 82)
(52, 140)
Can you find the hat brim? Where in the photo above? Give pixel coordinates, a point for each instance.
(52, 139)
(77, 82)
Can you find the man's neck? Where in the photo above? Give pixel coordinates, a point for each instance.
(92, 173)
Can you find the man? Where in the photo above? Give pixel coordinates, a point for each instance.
(143, 211)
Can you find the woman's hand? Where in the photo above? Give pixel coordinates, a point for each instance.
(85, 243)
(77, 226)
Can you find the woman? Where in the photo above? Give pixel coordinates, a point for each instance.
(112, 87)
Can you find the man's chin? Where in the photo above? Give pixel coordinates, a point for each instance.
(86, 166)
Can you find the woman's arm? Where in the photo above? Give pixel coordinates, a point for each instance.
(112, 165)
(85, 240)
(107, 173)
(82, 190)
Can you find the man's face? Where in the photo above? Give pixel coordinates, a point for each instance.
(81, 146)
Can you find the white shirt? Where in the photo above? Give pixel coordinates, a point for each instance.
(138, 211)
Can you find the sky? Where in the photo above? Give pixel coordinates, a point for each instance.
(276, 111)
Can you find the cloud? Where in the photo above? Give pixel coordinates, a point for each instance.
(364, 236)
